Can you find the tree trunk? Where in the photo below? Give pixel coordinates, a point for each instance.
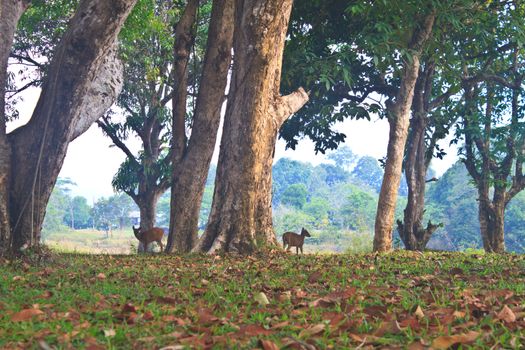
(39, 147)
(398, 117)
(411, 231)
(492, 226)
(190, 170)
(148, 213)
(10, 13)
(241, 211)
(184, 39)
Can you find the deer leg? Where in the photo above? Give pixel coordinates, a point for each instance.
(302, 250)
(161, 246)
(297, 250)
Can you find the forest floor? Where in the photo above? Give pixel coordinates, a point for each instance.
(271, 301)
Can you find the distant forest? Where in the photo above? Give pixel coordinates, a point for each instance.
(336, 201)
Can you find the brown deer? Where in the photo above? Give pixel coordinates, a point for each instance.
(292, 239)
(154, 234)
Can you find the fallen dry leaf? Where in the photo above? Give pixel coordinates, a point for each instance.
(507, 315)
(148, 315)
(101, 276)
(456, 271)
(129, 308)
(459, 314)
(253, 330)
(416, 346)
(290, 343)
(314, 277)
(261, 298)
(313, 330)
(26, 315)
(322, 302)
(446, 341)
(284, 296)
(268, 345)
(206, 316)
(109, 333)
(419, 313)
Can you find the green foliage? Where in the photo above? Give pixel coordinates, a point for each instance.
(79, 213)
(113, 212)
(452, 201)
(359, 210)
(64, 211)
(345, 51)
(343, 157)
(291, 219)
(319, 209)
(57, 208)
(295, 195)
(369, 172)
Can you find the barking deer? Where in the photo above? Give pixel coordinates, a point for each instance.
(154, 234)
(292, 239)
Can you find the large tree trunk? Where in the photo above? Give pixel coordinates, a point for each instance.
(148, 213)
(411, 231)
(10, 13)
(184, 39)
(241, 212)
(492, 217)
(39, 147)
(417, 160)
(190, 170)
(492, 226)
(398, 117)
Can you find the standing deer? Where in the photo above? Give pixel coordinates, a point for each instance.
(292, 239)
(154, 234)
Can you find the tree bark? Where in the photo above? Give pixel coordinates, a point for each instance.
(190, 170)
(148, 213)
(102, 92)
(241, 211)
(398, 117)
(492, 226)
(184, 39)
(39, 147)
(413, 235)
(10, 13)
(417, 160)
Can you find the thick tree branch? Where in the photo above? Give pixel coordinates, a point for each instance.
(105, 125)
(27, 59)
(289, 104)
(23, 88)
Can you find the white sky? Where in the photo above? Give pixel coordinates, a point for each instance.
(91, 162)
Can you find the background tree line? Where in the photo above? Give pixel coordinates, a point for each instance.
(335, 200)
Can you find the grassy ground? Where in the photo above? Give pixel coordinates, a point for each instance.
(124, 242)
(92, 241)
(272, 301)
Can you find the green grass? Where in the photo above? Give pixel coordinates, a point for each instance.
(92, 241)
(197, 301)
